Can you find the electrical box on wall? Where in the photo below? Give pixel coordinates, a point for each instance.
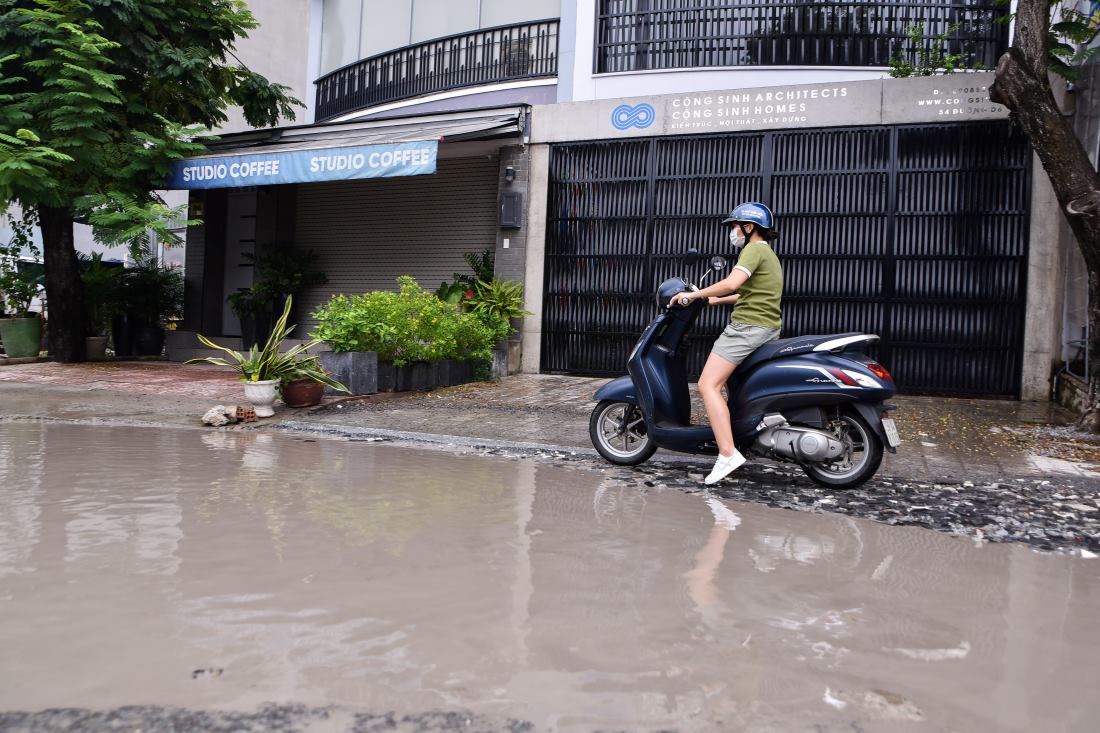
(511, 210)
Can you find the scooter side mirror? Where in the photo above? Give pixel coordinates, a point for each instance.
(691, 256)
(718, 262)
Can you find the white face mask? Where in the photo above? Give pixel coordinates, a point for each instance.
(737, 241)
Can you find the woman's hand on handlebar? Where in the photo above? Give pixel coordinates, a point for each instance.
(681, 299)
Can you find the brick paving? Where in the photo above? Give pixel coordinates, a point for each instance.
(133, 377)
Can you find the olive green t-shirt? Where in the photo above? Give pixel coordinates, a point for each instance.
(760, 295)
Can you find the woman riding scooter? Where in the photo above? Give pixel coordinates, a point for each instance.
(756, 286)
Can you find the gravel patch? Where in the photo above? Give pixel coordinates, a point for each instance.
(270, 719)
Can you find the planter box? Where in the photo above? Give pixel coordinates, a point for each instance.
(362, 373)
(356, 370)
(415, 377)
(423, 375)
(450, 373)
(507, 359)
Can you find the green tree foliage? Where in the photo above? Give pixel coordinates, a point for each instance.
(97, 99)
(1069, 38)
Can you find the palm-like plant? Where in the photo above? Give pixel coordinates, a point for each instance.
(268, 363)
(501, 299)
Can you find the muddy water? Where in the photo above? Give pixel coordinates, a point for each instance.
(224, 571)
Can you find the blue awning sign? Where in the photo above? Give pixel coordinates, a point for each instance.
(305, 166)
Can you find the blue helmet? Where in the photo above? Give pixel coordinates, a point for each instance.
(753, 213)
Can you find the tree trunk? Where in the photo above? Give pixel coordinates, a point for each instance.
(1062, 154)
(1022, 85)
(64, 290)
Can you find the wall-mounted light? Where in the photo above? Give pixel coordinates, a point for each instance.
(509, 174)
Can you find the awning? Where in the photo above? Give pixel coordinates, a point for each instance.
(403, 146)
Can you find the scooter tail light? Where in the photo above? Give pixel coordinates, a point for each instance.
(879, 371)
(839, 374)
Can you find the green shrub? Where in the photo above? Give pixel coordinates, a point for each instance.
(412, 325)
(454, 293)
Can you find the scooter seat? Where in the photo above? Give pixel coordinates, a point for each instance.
(787, 347)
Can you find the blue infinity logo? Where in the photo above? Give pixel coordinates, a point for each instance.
(641, 116)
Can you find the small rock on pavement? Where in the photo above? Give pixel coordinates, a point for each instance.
(219, 415)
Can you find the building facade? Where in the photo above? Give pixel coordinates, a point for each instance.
(624, 130)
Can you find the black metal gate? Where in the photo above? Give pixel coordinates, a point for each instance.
(915, 232)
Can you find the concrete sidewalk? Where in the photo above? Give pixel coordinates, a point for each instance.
(944, 439)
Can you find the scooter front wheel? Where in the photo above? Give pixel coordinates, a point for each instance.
(619, 434)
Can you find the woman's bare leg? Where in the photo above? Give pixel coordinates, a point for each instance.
(715, 373)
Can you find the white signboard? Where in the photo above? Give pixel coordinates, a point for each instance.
(879, 102)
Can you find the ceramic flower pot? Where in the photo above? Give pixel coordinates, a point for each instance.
(20, 336)
(95, 348)
(262, 396)
(303, 393)
(148, 340)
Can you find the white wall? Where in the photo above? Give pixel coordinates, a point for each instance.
(82, 237)
(280, 49)
(357, 29)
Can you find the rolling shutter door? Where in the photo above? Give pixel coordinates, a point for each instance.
(364, 234)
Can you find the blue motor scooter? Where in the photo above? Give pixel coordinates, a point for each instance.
(817, 401)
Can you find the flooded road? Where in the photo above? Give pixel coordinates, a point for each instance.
(225, 571)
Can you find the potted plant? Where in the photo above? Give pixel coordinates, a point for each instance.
(460, 291)
(20, 330)
(300, 387)
(262, 370)
(499, 303)
(152, 293)
(252, 307)
(101, 294)
(280, 272)
(283, 271)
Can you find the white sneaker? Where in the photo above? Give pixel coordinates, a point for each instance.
(724, 466)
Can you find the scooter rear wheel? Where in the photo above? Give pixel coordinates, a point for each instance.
(866, 455)
(619, 433)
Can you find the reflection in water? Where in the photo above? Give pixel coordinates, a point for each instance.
(700, 579)
(324, 572)
(20, 510)
(772, 549)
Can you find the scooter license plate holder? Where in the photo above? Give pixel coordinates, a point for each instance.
(891, 430)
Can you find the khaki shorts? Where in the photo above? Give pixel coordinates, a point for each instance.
(738, 340)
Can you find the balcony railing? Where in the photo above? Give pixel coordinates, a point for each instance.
(486, 56)
(634, 35)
